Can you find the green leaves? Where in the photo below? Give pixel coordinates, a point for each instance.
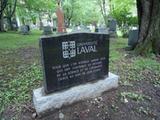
(31, 9)
(81, 11)
(123, 12)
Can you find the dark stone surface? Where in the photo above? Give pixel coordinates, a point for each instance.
(133, 38)
(113, 25)
(73, 59)
(47, 30)
(14, 24)
(25, 29)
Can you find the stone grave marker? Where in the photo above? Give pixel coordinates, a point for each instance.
(47, 30)
(133, 38)
(15, 24)
(25, 29)
(70, 60)
(112, 27)
(76, 67)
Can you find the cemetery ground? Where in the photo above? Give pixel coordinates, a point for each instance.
(136, 98)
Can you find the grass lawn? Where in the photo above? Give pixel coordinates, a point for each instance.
(138, 96)
(15, 40)
(19, 67)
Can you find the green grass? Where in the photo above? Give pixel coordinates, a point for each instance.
(146, 63)
(18, 79)
(14, 40)
(116, 47)
(19, 89)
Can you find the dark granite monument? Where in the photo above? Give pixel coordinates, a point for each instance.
(112, 27)
(25, 29)
(14, 24)
(133, 38)
(75, 69)
(47, 30)
(74, 59)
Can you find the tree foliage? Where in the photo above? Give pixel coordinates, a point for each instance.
(122, 12)
(103, 8)
(78, 12)
(69, 7)
(29, 10)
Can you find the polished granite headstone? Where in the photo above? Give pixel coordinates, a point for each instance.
(113, 25)
(133, 38)
(47, 30)
(74, 59)
(25, 29)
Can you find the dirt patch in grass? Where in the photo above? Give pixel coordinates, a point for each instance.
(13, 62)
(29, 54)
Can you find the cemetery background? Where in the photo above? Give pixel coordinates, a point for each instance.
(138, 96)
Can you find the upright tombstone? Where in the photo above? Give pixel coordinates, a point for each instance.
(133, 38)
(15, 24)
(24, 29)
(76, 67)
(47, 30)
(74, 59)
(113, 27)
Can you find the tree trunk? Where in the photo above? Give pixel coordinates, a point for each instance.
(1, 23)
(149, 27)
(10, 23)
(41, 23)
(10, 12)
(102, 4)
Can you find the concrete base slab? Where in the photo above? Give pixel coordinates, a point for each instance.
(48, 103)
